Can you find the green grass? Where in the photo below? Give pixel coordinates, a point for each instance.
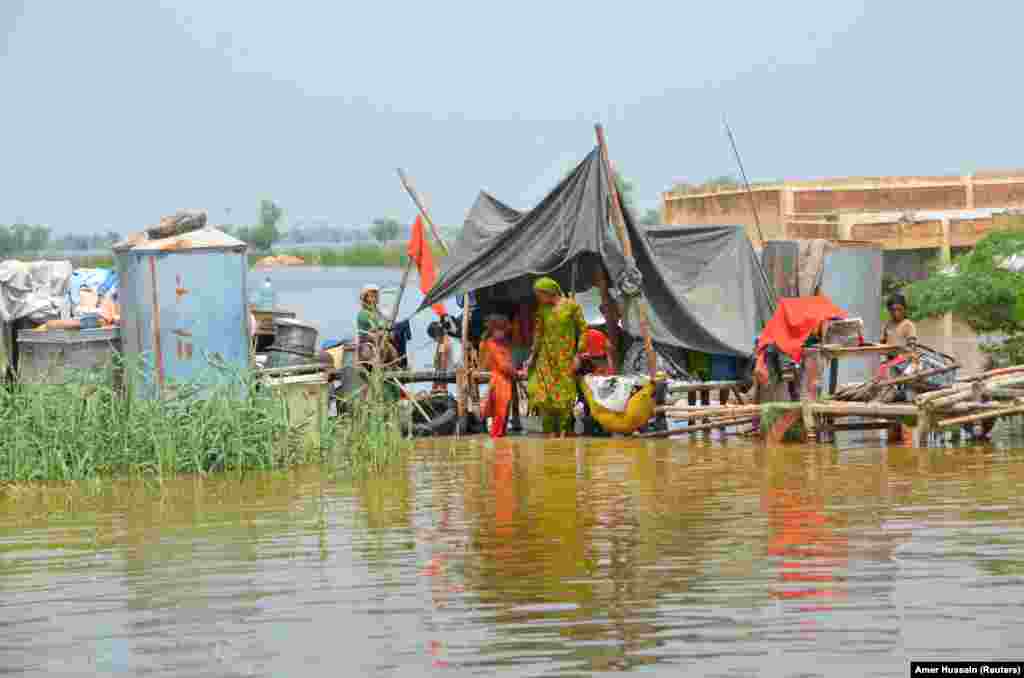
(87, 429)
(370, 255)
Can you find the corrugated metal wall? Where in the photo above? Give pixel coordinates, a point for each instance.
(184, 313)
(852, 278)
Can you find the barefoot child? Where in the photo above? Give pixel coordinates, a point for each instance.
(497, 354)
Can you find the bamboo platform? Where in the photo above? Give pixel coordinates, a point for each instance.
(979, 400)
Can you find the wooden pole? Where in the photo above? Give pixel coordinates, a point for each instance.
(627, 248)
(401, 291)
(421, 206)
(743, 173)
(467, 351)
(717, 423)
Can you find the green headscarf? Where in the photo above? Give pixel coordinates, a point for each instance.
(548, 285)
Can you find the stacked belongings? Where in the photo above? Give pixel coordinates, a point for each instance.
(31, 293)
(936, 371)
(91, 299)
(797, 322)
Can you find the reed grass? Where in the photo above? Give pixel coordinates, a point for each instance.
(364, 254)
(87, 428)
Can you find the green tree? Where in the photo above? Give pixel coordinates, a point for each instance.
(385, 229)
(266, 232)
(982, 291)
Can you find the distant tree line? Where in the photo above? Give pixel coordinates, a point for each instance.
(19, 239)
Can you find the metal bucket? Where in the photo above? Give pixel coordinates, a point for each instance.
(294, 344)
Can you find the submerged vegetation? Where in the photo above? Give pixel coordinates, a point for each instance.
(87, 428)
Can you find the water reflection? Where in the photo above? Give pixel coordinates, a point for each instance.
(561, 557)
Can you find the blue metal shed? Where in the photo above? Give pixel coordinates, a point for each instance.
(184, 309)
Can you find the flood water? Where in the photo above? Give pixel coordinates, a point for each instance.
(526, 557)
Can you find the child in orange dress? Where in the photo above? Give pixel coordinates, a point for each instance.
(497, 353)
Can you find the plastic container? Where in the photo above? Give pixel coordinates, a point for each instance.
(46, 357)
(294, 344)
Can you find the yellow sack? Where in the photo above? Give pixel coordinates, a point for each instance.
(639, 410)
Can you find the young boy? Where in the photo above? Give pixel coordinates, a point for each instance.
(898, 331)
(496, 351)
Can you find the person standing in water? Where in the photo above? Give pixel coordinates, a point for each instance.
(497, 352)
(559, 337)
(898, 331)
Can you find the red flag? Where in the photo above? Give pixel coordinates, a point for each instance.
(419, 251)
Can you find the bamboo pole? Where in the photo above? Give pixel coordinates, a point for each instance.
(468, 359)
(627, 249)
(718, 423)
(401, 291)
(835, 409)
(972, 418)
(702, 386)
(709, 411)
(421, 206)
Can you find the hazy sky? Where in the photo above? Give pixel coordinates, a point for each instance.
(117, 111)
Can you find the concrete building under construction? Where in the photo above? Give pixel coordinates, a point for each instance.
(914, 219)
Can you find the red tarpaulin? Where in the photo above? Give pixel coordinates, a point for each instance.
(795, 319)
(419, 252)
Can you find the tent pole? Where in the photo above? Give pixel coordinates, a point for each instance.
(627, 248)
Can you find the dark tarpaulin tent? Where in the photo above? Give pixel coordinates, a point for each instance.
(704, 285)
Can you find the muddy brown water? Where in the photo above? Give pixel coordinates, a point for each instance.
(524, 558)
(528, 557)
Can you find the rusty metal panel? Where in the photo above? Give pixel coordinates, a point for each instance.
(852, 278)
(781, 264)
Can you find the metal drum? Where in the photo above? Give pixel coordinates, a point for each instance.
(294, 344)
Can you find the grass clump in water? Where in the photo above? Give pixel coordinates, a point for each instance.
(86, 428)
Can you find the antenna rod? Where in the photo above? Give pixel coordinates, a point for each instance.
(743, 173)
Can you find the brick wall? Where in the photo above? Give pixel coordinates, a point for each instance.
(729, 209)
(881, 199)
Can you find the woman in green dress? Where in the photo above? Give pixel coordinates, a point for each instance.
(559, 336)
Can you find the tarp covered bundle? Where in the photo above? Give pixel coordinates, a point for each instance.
(704, 285)
(34, 289)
